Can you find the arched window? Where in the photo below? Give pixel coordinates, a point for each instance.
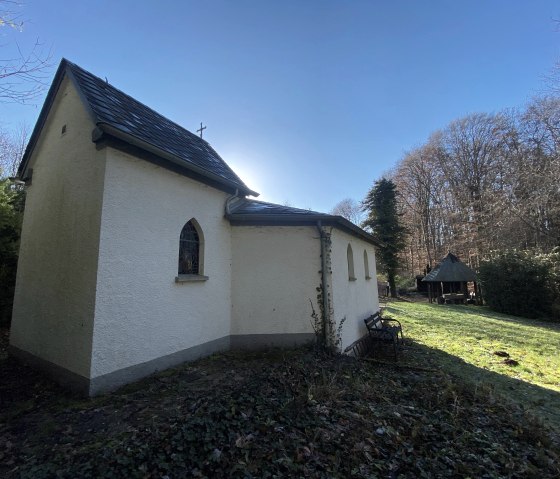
(366, 265)
(190, 249)
(350, 258)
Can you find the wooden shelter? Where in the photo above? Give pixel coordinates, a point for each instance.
(448, 281)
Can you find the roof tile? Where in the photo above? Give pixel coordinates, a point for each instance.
(450, 269)
(249, 206)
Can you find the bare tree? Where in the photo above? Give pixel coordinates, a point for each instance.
(349, 209)
(23, 75)
(470, 152)
(419, 183)
(534, 173)
(12, 147)
(485, 182)
(552, 79)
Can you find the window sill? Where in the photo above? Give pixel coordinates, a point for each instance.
(351, 278)
(190, 278)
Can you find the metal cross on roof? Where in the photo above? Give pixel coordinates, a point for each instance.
(201, 129)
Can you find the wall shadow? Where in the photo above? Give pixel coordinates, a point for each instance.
(540, 402)
(484, 311)
(519, 332)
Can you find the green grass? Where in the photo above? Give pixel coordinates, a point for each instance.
(463, 340)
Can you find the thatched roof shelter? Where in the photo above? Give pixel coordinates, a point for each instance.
(451, 269)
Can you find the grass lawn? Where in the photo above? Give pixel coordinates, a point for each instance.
(463, 340)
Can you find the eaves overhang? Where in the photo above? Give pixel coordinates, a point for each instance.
(104, 130)
(302, 220)
(41, 120)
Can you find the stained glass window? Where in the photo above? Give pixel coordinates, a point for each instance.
(189, 250)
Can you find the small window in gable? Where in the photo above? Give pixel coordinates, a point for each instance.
(366, 265)
(191, 253)
(350, 258)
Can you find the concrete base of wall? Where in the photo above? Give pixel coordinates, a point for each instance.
(64, 377)
(111, 381)
(262, 341)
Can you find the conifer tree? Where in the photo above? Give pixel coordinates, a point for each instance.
(11, 214)
(382, 219)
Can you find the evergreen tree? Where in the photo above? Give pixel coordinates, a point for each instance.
(11, 213)
(382, 219)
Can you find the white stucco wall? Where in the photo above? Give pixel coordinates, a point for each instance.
(141, 313)
(275, 272)
(353, 300)
(56, 278)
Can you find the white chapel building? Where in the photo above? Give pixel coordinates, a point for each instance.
(142, 249)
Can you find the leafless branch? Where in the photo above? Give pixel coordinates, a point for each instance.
(23, 75)
(12, 148)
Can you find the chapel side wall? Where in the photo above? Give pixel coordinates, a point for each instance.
(352, 300)
(57, 269)
(275, 272)
(144, 319)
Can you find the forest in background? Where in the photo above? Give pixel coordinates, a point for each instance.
(486, 182)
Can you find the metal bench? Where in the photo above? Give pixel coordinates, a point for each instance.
(361, 348)
(385, 330)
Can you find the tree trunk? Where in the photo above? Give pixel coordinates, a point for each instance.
(392, 286)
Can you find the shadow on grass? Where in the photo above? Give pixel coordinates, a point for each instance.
(480, 331)
(539, 402)
(25, 393)
(488, 313)
(485, 312)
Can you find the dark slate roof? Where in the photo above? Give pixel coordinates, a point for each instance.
(254, 207)
(451, 269)
(121, 116)
(245, 211)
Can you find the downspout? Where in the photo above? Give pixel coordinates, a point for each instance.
(230, 200)
(324, 283)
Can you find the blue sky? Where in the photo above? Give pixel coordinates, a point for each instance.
(309, 101)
